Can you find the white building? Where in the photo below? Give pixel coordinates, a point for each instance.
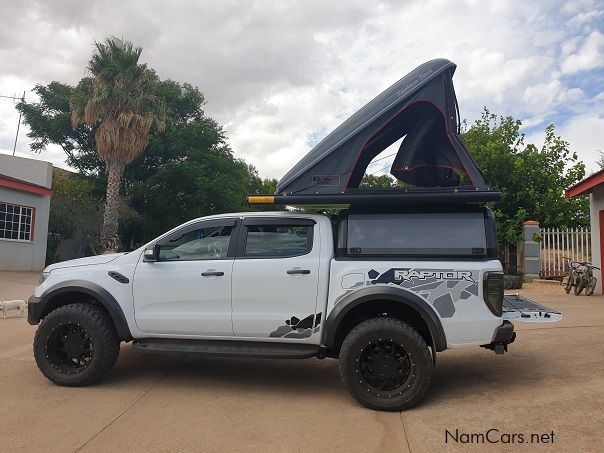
(594, 186)
(25, 190)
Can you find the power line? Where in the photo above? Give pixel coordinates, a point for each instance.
(382, 158)
(379, 170)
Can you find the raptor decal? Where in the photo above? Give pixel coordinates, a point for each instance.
(298, 328)
(410, 274)
(441, 287)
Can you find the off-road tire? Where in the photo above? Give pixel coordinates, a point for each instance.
(579, 286)
(589, 290)
(512, 282)
(569, 285)
(375, 330)
(507, 282)
(100, 330)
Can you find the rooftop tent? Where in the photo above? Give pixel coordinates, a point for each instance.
(422, 108)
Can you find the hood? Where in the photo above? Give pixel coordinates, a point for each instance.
(88, 261)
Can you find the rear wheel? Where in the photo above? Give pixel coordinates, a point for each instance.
(76, 345)
(589, 289)
(385, 364)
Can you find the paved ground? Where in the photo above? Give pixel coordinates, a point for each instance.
(552, 380)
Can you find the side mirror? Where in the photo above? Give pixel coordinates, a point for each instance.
(151, 253)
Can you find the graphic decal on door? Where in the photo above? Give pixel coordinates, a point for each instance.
(441, 287)
(298, 328)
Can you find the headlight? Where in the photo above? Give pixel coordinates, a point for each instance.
(43, 276)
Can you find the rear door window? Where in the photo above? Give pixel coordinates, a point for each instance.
(278, 240)
(417, 234)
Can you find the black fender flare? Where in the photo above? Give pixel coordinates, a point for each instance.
(386, 293)
(37, 307)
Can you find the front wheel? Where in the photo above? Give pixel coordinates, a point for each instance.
(569, 284)
(579, 286)
(76, 345)
(385, 364)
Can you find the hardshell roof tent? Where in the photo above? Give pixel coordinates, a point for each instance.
(422, 108)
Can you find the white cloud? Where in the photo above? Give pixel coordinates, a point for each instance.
(584, 133)
(281, 75)
(580, 7)
(586, 17)
(589, 56)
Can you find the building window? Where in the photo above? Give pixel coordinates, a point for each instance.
(16, 222)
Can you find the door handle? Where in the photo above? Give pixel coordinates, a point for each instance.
(212, 274)
(298, 271)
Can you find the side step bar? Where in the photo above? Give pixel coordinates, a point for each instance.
(219, 348)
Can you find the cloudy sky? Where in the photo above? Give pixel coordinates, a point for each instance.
(280, 75)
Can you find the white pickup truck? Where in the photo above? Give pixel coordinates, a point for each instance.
(382, 291)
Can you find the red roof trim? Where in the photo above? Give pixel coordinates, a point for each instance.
(24, 186)
(585, 186)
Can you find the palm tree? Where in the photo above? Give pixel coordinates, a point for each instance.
(118, 102)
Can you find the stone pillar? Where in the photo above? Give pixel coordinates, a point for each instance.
(530, 250)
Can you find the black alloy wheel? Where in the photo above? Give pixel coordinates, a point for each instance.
(386, 368)
(69, 348)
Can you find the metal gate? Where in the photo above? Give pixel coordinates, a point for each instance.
(573, 243)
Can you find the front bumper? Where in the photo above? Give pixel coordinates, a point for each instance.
(35, 307)
(502, 337)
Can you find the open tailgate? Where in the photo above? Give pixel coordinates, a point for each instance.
(519, 308)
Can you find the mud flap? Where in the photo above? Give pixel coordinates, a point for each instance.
(519, 308)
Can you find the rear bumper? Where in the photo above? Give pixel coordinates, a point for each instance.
(35, 307)
(502, 337)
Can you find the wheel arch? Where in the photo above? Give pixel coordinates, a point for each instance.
(377, 301)
(72, 291)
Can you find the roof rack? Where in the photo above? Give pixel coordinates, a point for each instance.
(381, 197)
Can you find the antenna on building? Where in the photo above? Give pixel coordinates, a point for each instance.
(16, 98)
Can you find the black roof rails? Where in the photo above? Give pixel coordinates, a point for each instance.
(394, 197)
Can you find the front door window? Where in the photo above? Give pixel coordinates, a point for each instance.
(209, 243)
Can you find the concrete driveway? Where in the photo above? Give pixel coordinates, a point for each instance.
(552, 380)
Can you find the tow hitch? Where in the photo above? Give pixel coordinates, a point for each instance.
(504, 335)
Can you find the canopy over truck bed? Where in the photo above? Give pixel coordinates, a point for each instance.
(432, 161)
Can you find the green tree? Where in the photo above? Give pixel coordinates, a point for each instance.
(378, 182)
(74, 209)
(118, 102)
(49, 121)
(190, 169)
(186, 172)
(532, 180)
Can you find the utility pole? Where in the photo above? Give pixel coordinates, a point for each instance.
(15, 98)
